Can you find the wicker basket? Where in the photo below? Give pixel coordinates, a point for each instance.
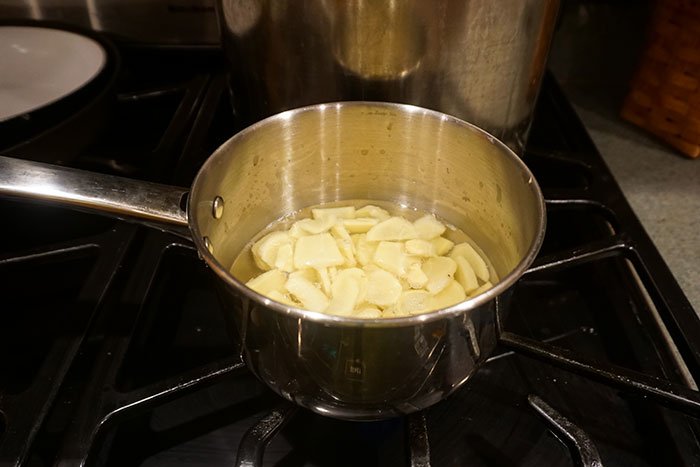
(664, 96)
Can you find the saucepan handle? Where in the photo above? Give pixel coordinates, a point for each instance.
(153, 204)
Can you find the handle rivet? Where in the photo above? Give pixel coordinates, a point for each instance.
(208, 245)
(218, 207)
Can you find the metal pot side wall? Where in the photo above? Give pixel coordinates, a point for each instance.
(362, 373)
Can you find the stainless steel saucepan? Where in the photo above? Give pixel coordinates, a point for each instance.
(337, 366)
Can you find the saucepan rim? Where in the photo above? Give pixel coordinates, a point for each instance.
(333, 320)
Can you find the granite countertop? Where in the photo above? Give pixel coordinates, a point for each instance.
(663, 189)
(593, 56)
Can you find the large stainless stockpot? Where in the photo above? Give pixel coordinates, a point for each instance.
(479, 60)
(338, 366)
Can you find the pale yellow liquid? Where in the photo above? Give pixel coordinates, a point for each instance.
(244, 267)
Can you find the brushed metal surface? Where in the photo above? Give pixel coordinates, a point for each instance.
(151, 203)
(355, 368)
(479, 60)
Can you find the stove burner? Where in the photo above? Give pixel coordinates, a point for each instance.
(256, 439)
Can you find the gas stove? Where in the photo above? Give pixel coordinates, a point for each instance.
(114, 348)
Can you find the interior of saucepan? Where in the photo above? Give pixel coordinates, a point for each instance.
(375, 151)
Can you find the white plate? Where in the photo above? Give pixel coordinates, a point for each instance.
(39, 66)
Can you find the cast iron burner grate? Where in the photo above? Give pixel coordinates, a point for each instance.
(136, 369)
(251, 449)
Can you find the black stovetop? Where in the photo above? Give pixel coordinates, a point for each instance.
(114, 350)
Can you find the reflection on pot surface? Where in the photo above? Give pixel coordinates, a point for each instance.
(364, 373)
